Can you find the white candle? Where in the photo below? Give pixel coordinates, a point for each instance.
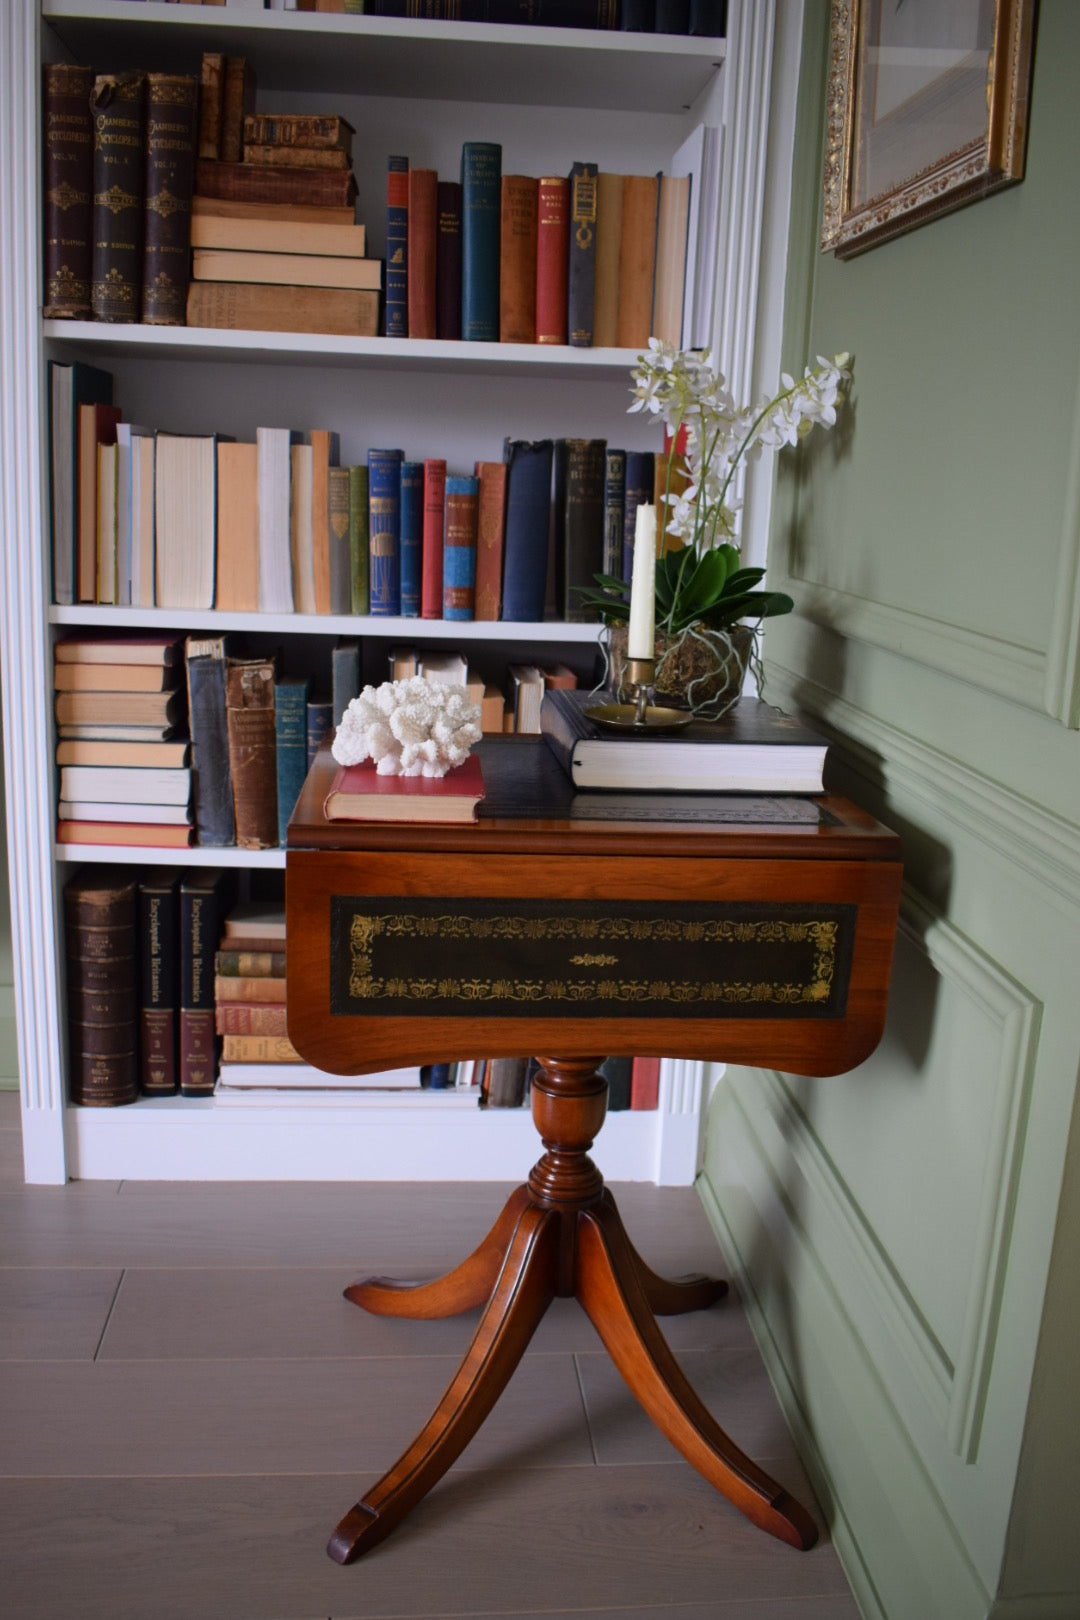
(641, 639)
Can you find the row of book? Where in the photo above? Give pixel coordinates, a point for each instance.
(146, 518)
(706, 17)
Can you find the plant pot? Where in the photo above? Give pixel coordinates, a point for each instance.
(700, 669)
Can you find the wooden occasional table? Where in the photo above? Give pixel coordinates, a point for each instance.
(569, 925)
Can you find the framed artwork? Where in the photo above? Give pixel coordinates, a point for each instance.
(927, 110)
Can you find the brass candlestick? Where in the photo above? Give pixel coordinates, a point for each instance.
(642, 716)
(640, 675)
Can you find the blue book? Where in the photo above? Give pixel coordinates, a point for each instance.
(481, 188)
(396, 301)
(411, 536)
(459, 547)
(290, 727)
(639, 491)
(320, 722)
(344, 675)
(211, 776)
(384, 532)
(528, 510)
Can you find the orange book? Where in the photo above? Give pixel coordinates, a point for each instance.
(490, 530)
(517, 258)
(672, 222)
(324, 455)
(609, 205)
(97, 425)
(237, 583)
(123, 832)
(420, 252)
(552, 258)
(637, 256)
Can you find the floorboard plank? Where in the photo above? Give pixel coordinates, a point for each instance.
(54, 1314)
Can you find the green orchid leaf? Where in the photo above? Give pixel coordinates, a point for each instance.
(743, 579)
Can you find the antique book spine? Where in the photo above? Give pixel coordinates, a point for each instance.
(296, 157)
(579, 521)
(290, 724)
(528, 509)
(237, 100)
(552, 252)
(431, 545)
(203, 902)
(260, 1049)
(384, 528)
(159, 966)
(396, 305)
(325, 453)
(103, 1038)
(250, 1018)
(490, 531)
(67, 176)
(311, 130)
(340, 552)
(242, 964)
(118, 107)
(252, 306)
(249, 707)
(581, 266)
(459, 549)
(481, 173)
(637, 259)
(410, 539)
(171, 132)
(260, 989)
(243, 182)
(423, 188)
(359, 599)
(320, 722)
(211, 91)
(614, 498)
(448, 260)
(609, 203)
(211, 779)
(344, 674)
(517, 259)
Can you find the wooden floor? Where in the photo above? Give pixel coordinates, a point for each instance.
(188, 1405)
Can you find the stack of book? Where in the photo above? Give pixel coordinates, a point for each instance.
(122, 754)
(275, 244)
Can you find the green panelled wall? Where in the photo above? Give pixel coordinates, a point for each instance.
(908, 1235)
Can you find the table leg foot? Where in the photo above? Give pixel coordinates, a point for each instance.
(523, 1290)
(610, 1288)
(673, 1296)
(465, 1288)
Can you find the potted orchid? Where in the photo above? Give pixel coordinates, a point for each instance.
(708, 607)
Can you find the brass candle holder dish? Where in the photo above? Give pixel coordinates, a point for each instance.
(641, 716)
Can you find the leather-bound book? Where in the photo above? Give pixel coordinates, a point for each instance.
(67, 177)
(238, 99)
(459, 549)
(448, 260)
(171, 132)
(490, 536)
(528, 512)
(159, 974)
(250, 306)
(103, 1027)
(581, 267)
(211, 779)
(384, 531)
(637, 256)
(244, 182)
(423, 187)
(517, 259)
(359, 540)
(579, 521)
(614, 499)
(640, 489)
(205, 899)
(396, 306)
(211, 93)
(609, 205)
(481, 176)
(431, 543)
(552, 251)
(410, 537)
(313, 131)
(249, 709)
(118, 108)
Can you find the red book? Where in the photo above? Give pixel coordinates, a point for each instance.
(420, 252)
(359, 793)
(431, 543)
(645, 1082)
(552, 258)
(490, 529)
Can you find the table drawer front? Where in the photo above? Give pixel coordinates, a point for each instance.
(393, 957)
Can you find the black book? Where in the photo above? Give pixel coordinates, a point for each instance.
(207, 895)
(159, 980)
(528, 515)
(579, 522)
(581, 270)
(448, 259)
(212, 795)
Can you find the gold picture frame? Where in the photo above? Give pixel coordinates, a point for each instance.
(927, 111)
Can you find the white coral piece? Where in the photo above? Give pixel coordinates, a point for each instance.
(415, 727)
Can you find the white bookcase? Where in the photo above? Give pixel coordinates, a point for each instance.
(549, 96)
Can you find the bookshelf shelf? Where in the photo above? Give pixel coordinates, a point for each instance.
(299, 624)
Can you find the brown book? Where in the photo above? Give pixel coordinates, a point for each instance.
(237, 582)
(238, 99)
(159, 973)
(171, 133)
(243, 182)
(211, 92)
(324, 455)
(297, 157)
(259, 1049)
(609, 207)
(99, 927)
(672, 220)
(118, 109)
(637, 255)
(97, 426)
(517, 258)
(105, 527)
(122, 834)
(67, 179)
(420, 252)
(286, 269)
(278, 235)
(250, 1018)
(311, 130)
(257, 988)
(269, 212)
(490, 530)
(249, 709)
(552, 258)
(249, 306)
(340, 552)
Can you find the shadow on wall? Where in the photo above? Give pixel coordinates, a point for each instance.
(9, 1052)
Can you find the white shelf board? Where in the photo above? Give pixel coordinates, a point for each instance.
(512, 632)
(334, 54)
(448, 356)
(154, 854)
